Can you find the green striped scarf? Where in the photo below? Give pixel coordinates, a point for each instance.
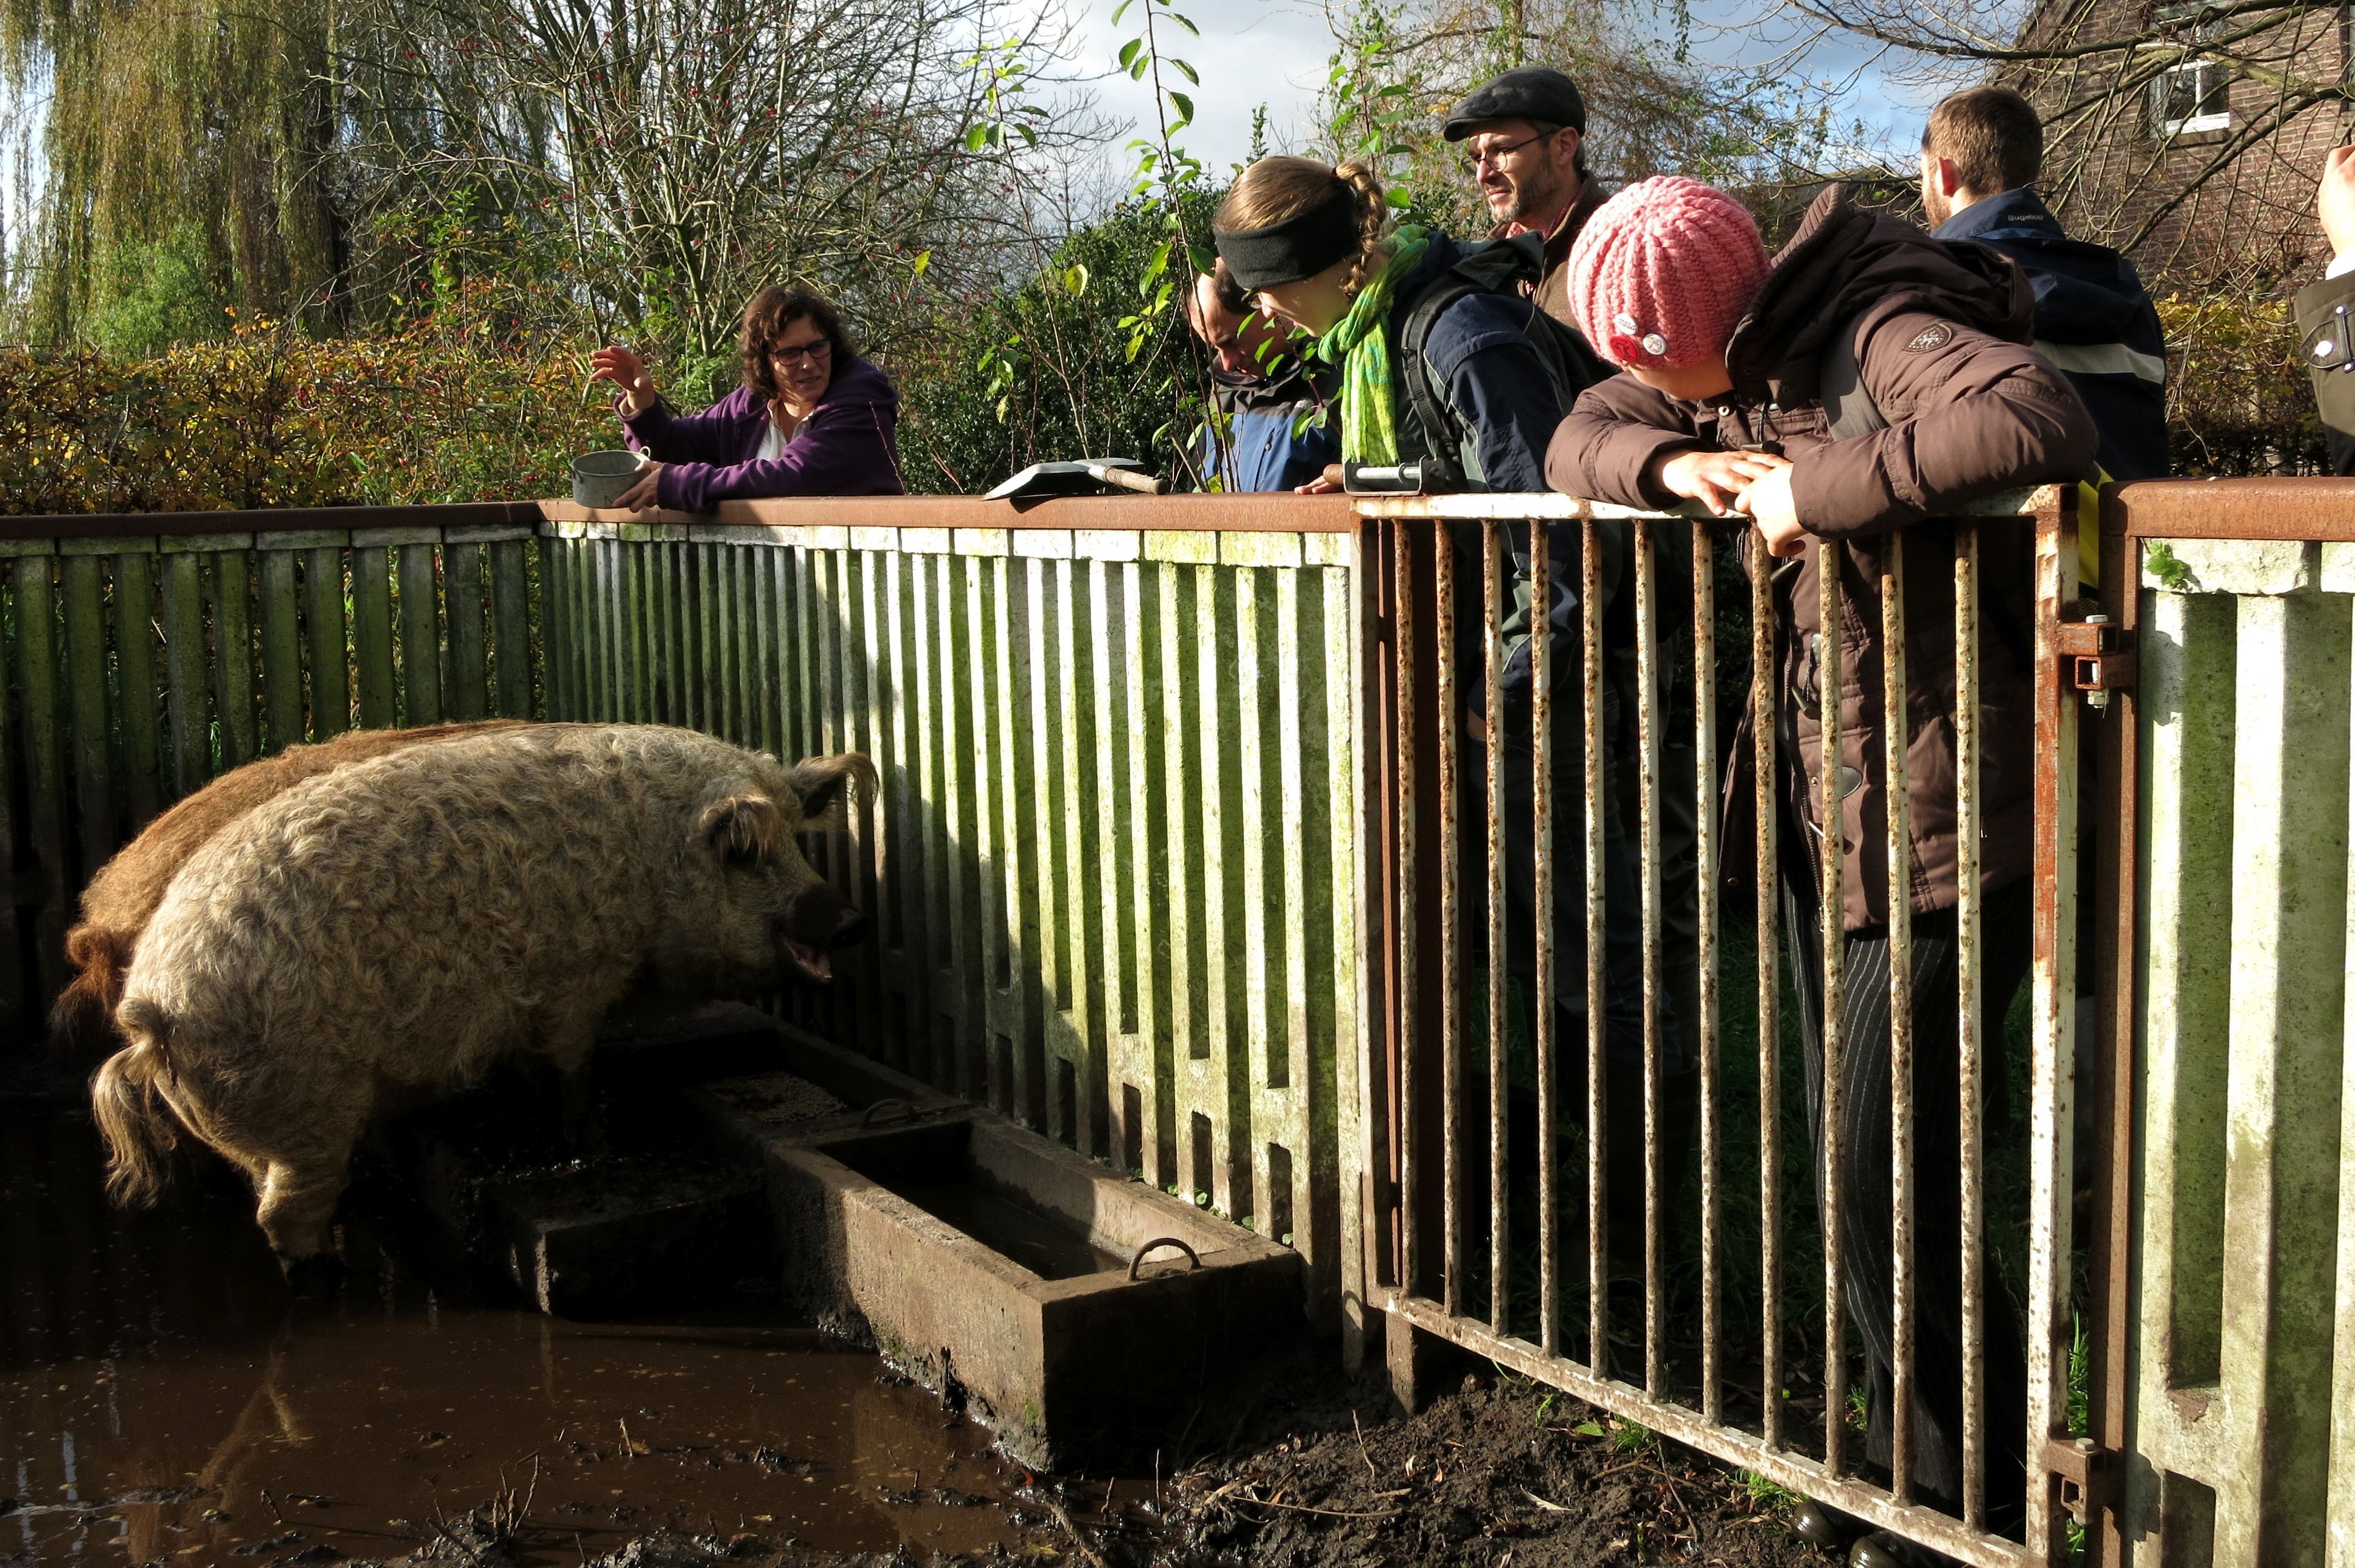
(1359, 345)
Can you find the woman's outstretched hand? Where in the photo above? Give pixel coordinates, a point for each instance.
(647, 491)
(625, 370)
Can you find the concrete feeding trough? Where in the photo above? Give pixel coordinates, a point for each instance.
(1080, 1314)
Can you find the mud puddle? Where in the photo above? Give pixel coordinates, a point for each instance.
(163, 1400)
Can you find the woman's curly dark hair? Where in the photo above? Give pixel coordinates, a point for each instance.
(771, 311)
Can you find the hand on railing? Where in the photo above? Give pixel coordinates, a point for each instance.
(1716, 479)
(1768, 503)
(647, 491)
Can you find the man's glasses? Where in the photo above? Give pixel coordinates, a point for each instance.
(786, 353)
(1472, 162)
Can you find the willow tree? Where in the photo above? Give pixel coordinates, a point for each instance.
(178, 118)
(695, 150)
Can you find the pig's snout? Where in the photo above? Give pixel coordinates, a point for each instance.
(817, 921)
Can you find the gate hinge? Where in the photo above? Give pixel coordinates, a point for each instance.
(2088, 1472)
(2097, 658)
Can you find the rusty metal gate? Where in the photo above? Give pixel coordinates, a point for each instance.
(1470, 1126)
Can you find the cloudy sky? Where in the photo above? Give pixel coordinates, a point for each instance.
(1276, 52)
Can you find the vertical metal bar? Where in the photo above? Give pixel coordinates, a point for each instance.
(1449, 720)
(2118, 982)
(2053, 1064)
(1404, 925)
(1969, 1057)
(1764, 693)
(1541, 1006)
(1706, 919)
(1833, 924)
(1598, 1281)
(1647, 754)
(1898, 817)
(1492, 571)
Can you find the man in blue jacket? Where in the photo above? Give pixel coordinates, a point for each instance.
(1280, 432)
(1981, 153)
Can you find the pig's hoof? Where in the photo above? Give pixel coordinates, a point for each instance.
(315, 1276)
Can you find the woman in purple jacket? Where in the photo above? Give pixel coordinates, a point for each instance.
(811, 418)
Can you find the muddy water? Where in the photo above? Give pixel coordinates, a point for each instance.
(162, 1399)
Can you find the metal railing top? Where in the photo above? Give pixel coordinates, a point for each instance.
(1268, 513)
(2283, 508)
(1277, 512)
(2320, 508)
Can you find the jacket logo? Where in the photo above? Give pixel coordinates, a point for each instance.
(1936, 335)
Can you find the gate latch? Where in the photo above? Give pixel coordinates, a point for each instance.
(2097, 658)
(2088, 1472)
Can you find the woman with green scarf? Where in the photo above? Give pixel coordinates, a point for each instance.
(1316, 245)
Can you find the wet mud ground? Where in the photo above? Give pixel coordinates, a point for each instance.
(164, 1401)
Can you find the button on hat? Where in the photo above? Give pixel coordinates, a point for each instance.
(1526, 93)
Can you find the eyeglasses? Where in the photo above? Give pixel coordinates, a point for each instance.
(786, 353)
(1497, 154)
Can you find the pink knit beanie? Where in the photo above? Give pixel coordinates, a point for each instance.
(1663, 271)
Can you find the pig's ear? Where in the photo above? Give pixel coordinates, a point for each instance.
(742, 827)
(829, 787)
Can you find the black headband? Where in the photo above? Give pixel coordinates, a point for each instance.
(1300, 247)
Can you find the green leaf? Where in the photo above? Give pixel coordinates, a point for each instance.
(1128, 52)
(923, 259)
(1121, 10)
(1185, 70)
(1136, 71)
(1588, 1429)
(976, 137)
(1075, 278)
(1184, 106)
(1185, 22)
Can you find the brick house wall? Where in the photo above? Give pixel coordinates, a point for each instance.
(2115, 171)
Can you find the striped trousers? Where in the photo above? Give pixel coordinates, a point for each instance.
(1866, 1206)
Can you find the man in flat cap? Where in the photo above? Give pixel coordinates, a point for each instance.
(1524, 136)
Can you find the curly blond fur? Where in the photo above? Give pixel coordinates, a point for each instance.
(409, 919)
(117, 904)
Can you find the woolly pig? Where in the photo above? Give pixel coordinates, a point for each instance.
(117, 904)
(408, 919)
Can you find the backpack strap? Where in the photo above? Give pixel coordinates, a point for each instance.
(1839, 385)
(1434, 417)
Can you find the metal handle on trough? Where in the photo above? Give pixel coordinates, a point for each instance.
(1137, 1261)
(907, 1112)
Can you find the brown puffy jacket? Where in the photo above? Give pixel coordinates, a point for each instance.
(1941, 334)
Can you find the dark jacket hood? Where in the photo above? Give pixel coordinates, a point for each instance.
(2085, 293)
(1843, 261)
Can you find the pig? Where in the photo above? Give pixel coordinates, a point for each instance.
(404, 922)
(116, 904)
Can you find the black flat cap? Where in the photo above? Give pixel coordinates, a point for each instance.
(1525, 92)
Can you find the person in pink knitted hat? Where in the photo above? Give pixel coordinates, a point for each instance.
(1867, 381)
(1661, 275)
